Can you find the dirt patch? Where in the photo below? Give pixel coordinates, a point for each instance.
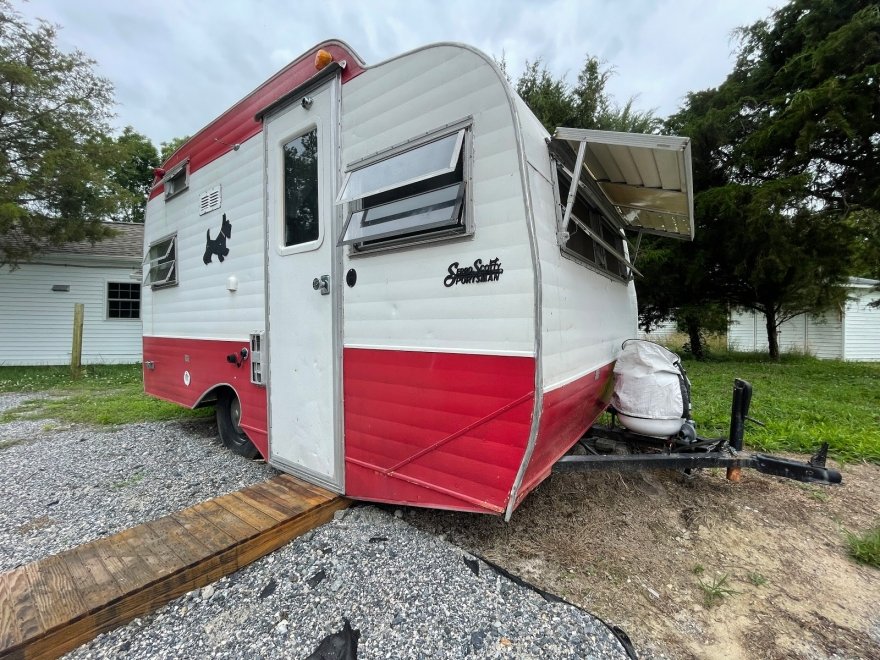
(635, 548)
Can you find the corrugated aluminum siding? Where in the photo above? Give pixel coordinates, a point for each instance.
(201, 306)
(36, 324)
(586, 315)
(400, 300)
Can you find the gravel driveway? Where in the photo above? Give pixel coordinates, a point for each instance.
(408, 593)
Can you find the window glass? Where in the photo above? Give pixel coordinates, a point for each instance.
(301, 189)
(431, 159)
(160, 263)
(123, 300)
(423, 212)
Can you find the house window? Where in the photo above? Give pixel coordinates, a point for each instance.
(123, 300)
(177, 180)
(592, 239)
(411, 195)
(301, 190)
(160, 264)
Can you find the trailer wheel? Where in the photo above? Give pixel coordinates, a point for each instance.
(228, 410)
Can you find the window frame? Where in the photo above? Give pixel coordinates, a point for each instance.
(569, 253)
(171, 175)
(463, 229)
(167, 282)
(107, 299)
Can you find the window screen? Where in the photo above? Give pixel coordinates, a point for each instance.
(123, 300)
(177, 180)
(301, 189)
(583, 244)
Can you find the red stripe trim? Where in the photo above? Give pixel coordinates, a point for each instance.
(238, 124)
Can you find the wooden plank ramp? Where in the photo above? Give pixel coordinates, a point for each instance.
(53, 605)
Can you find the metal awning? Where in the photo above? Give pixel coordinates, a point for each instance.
(647, 178)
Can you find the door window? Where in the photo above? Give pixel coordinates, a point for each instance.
(301, 189)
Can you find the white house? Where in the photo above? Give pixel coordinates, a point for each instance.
(851, 332)
(37, 301)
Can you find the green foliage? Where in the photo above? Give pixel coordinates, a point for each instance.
(133, 171)
(716, 590)
(786, 175)
(865, 547)
(168, 148)
(586, 105)
(108, 394)
(55, 184)
(802, 400)
(757, 579)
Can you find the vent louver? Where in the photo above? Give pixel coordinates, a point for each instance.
(209, 200)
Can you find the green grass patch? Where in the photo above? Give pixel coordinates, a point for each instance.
(716, 590)
(865, 547)
(106, 394)
(802, 400)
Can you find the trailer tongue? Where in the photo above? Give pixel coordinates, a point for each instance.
(651, 427)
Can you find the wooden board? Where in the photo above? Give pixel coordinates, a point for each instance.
(53, 605)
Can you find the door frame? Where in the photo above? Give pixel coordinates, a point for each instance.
(331, 231)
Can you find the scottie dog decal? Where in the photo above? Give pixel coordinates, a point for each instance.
(218, 245)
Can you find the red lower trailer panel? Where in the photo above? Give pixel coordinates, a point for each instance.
(442, 430)
(185, 371)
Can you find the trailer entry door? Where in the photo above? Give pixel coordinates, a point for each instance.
(302, 295)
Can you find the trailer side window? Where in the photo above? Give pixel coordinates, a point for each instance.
(592, 239)
(410, 195)
(177, 180)
(161, 263)
(301, 189)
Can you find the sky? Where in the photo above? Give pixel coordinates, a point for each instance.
(177, 64)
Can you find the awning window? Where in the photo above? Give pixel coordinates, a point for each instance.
(645, 178)
(424, 162)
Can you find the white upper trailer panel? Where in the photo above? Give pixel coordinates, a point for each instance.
(646, 177)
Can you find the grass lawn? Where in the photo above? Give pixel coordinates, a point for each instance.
(105, 394)
(802, 400)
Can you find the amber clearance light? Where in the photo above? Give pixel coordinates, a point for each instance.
(322, 59)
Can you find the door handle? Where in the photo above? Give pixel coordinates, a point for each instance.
(322, 284)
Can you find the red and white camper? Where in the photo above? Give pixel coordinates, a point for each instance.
(393, 282)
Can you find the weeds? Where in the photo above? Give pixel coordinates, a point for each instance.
(716, 590)
(6, 444)
(699, 569)
(757, 579)
(133, 480)
(865, 547)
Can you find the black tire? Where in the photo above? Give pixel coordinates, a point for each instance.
(228, 410)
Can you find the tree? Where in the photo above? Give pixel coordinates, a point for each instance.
(786, 154)
(55, 159)
(168, 148)
(586, 105)
(136, 158)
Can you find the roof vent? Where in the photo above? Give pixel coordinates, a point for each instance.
(209, 200)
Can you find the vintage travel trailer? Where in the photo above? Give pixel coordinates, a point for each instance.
(393, 282)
